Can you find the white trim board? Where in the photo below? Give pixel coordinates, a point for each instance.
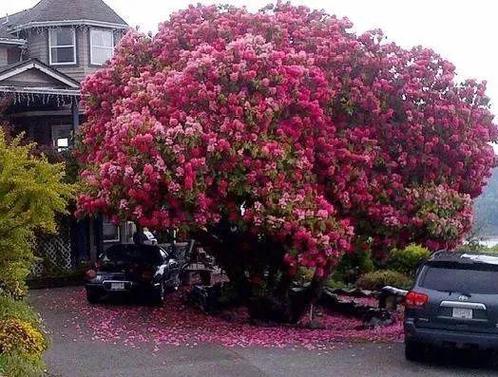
(8, 41)
(69, 23)
(52, 91)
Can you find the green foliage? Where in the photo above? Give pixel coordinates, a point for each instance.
(352, 265)
(18, 309)
(19, 336)
(21, 339)
(21, 365)
(475, 246)
(408, 259)
(32, 192)
(378, 279)
(304, 276)
(335, 284)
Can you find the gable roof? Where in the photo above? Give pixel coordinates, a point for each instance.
(62, 12)
(9, 72)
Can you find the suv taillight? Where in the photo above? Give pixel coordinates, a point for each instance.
(415, 300)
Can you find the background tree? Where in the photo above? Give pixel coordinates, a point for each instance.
(284, 140)
(486, 210)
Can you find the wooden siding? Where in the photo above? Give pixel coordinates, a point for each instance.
(13, 55)
(3, 56)
(80, 70)
(33, 78)
(38, 48)
(37, 43)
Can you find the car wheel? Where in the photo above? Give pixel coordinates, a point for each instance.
(414, 351)
(92, 296)
(158, 295)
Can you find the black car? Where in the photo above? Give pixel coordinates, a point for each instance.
(145, 270)
(454, 302)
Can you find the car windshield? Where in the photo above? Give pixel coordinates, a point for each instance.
(133, 254)
(461, 280)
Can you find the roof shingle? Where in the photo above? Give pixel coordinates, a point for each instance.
(64, 10)
(7, 22)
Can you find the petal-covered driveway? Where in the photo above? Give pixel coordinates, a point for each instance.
(133, 340)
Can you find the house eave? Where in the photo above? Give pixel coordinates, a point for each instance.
(40, 24)
(9, 41)
(41, 90)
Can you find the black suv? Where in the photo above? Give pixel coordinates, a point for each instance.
(454, 302)
(128, 268)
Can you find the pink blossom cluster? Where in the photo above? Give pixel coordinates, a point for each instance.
(290, 125)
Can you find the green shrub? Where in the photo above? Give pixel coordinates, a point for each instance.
(352, 265)
(18, 309)
(408, 259)
(16, 365)
(472, 247)
(20, 336)
(304, 276)
(337, 284)
(378, 279)
(32, 193)
(22, 340)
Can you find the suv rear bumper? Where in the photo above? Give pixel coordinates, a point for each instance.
(440, 337)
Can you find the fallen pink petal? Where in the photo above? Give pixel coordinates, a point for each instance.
(178, 324)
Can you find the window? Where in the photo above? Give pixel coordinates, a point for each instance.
(61, 136)
(101, 46)
(62, 46)
(111, 231)
(470, 280)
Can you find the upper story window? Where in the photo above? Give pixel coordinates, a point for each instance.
(62, 46)
(101, 46)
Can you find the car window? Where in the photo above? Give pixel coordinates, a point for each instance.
(461, 280)
(134, 253)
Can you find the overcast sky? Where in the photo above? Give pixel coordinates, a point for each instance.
(463, 31)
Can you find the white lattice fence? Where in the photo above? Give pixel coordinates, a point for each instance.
(54, 252)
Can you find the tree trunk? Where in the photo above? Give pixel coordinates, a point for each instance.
(244, 258)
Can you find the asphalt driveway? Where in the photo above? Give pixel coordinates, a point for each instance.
(77, 353)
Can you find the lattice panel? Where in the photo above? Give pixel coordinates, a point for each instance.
(55, 253)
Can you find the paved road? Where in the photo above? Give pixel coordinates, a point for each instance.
(84, 358)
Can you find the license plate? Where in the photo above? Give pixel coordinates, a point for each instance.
(462, 313)
(117, 286)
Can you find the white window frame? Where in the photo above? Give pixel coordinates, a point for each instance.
(50, 46)
(92, 30)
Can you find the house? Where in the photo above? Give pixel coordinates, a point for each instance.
(45, 53)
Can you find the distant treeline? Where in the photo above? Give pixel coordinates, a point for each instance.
(486, 209)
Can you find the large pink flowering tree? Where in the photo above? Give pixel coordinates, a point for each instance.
(284, 140)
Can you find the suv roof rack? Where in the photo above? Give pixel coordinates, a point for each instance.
(464, 258)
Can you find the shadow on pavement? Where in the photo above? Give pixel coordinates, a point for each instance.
(449, 358)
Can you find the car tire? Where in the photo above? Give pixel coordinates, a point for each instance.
(157, 295)
(414, 351)
(92, 296)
